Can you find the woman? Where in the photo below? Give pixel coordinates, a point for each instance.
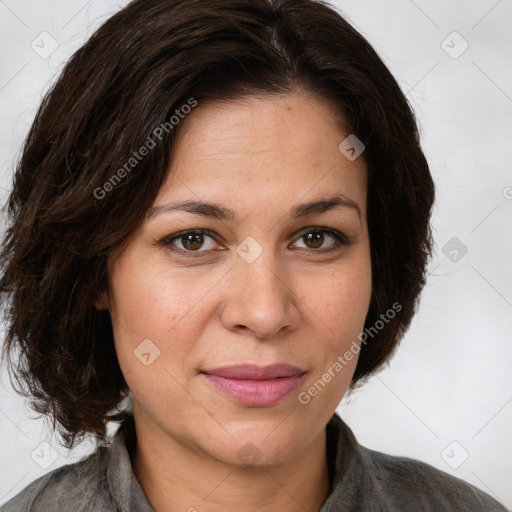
(216, 204)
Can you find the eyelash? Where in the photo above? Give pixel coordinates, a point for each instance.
(340, 240)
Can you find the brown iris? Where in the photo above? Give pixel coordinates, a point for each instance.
(192, 241)
(315, 238)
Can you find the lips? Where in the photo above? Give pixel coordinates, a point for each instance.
(255, 386)
(253, 372)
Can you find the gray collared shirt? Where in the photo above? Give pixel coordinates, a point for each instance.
(361, 480)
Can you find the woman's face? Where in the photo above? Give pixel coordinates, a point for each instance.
(264, 281)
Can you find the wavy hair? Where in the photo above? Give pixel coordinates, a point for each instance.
(128, 79)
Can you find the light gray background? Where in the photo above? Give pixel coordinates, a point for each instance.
(447, 394)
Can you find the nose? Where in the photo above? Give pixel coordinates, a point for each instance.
(259, 299)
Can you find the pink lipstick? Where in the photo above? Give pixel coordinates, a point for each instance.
(255, 386)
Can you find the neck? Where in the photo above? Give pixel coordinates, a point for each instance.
(175, 477)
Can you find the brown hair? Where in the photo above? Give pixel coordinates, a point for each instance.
(129, 78)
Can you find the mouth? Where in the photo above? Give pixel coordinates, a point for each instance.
(255, 386)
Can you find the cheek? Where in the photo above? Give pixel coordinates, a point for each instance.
(151, 299)
(155, 325)
(151, 304)
(342, 299)
(338, 314)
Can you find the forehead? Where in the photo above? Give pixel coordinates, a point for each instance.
(259, 148)
(256, 126)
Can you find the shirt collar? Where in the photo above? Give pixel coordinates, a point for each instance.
(124, 487)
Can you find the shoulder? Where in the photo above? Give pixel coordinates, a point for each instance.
(82, 483)
(365, 479)
(410, 484)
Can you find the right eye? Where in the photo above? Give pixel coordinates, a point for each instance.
(190, 241)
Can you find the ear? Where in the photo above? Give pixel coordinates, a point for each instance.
(101, 302)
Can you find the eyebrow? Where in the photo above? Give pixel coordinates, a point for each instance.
(222, 213)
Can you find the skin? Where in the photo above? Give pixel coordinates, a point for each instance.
(259, 156)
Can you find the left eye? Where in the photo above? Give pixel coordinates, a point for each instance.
(316, 237)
